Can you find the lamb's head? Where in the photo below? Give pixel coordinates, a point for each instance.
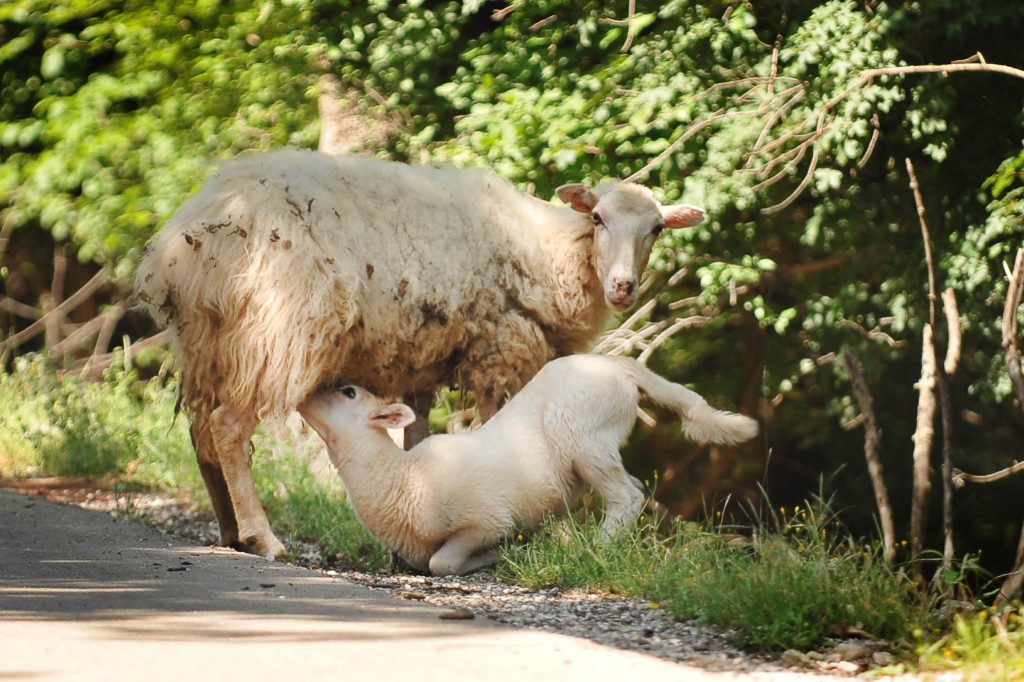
(627, 219)
(346, 411)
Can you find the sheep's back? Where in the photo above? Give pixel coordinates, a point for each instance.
(295, 268)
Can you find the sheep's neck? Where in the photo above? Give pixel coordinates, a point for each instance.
(566, 241)
(375, 472)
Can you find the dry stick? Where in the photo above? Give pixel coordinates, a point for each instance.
(922, 448)
(75, 338)
(1011, 345)
(872, 438)
(113, 316)
(942, 381)
(952, 315)
(9, 305)
(962, 477)
(71, 302)
(630, 27)
(93, 367)
(53, 322)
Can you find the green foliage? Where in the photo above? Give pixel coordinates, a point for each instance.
(70, 427)
(983, 645)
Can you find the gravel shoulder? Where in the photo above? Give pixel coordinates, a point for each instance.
(626, 624)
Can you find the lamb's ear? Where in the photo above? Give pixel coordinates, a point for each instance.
(578, 197)
(682, 215)
(393, 416)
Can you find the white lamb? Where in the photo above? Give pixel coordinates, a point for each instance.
(445, 505)
(291, 269)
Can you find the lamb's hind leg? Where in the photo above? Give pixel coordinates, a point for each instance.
(213, 476)
(231, 430)
(623, 498)
(465, 551)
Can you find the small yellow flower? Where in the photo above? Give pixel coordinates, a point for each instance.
(903, 543)
(655, 605)
(782, 510)
(982, 615)
(519, 537)
(947, 654)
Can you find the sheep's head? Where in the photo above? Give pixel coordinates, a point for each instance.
(627, 219)
(343, 409)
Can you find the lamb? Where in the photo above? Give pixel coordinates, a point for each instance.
(445, 505)
(290, 269)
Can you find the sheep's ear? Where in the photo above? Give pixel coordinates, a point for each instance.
(682, 215)
(394, 416)
(578, 197)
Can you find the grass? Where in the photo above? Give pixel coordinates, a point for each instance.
(791, 587)
(792, 580)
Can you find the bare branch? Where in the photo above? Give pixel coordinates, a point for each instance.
(807, 176)
(961, 478)
(952, 314)
(871, 143)
(93, 367)
(9, 305)
(678, 325)
(1011, 586)
(1011, 343)
(543, 22)
(631, 27)
(70, 303)
(499, 14)
(922, 451)
(872, 438)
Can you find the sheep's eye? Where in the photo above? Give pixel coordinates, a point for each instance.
(658, 229)
(596, 218)
(348, 392)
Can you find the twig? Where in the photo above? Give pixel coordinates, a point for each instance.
(807, 176)
(678, 325)
(543, 22)
(1011, 344)
(9, 305)
(872, 438)
(961, 478)
(631, 16)
(690, 132)
(499, 14)
(71, 302)
(871, 143)
(93, 367)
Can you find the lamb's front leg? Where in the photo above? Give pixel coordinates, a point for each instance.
(465, 551)
(231, 430)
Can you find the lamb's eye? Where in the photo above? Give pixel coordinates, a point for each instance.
(596, 218)
(658, 229)
(348, 392)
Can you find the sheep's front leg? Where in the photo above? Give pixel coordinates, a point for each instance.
(465, 551)
(419, 429)
(231, 431)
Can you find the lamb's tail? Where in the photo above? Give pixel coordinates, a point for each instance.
(701, 422)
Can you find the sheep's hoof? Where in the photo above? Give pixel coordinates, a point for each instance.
(267, 546)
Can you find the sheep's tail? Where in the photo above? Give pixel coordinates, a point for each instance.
(700, 421)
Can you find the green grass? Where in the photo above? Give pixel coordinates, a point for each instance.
(788, 587)
(786, 581)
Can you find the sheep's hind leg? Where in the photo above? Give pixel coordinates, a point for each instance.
(465, 551)
(213, 476)
(231, 430)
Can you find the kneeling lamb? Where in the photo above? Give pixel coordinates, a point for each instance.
(445, 505)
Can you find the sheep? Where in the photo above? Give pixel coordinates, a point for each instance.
(290, 269)
(445, 505)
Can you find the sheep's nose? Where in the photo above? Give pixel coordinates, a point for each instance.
(623, 288)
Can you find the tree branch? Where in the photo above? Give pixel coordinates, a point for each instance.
(922, 452)
(961, 478)
(71, 302)
(1011, 344)
(872, 438)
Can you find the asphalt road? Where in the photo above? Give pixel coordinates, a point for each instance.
(86, 596)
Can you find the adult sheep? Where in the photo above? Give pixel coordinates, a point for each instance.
(292, 269)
